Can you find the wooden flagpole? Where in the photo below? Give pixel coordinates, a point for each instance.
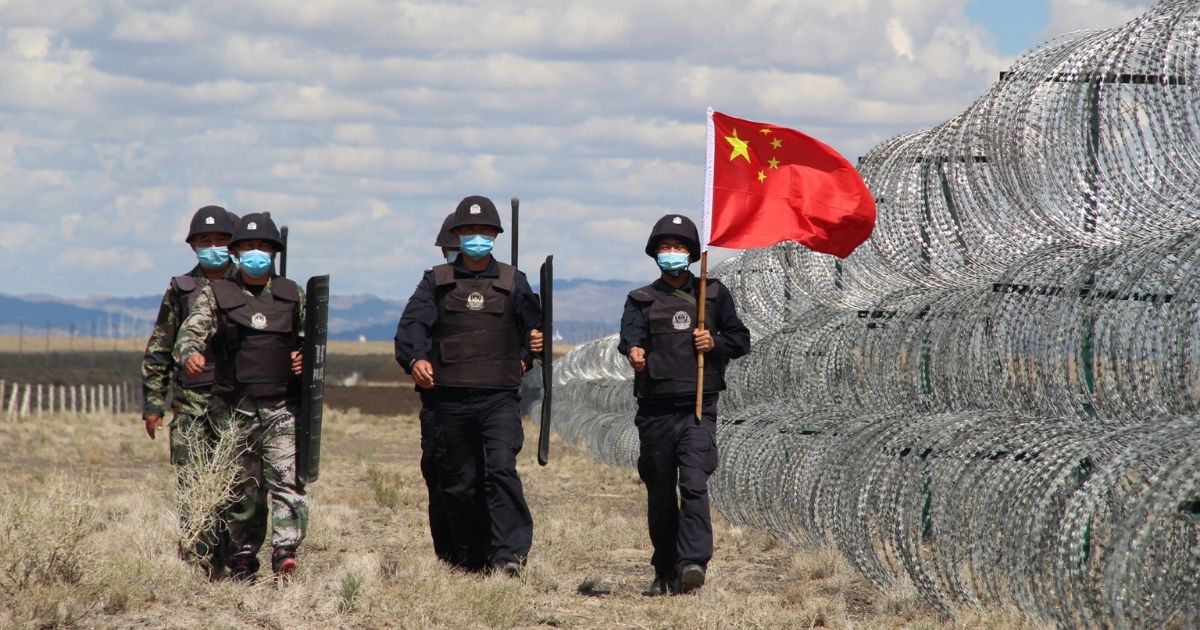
(700, 303)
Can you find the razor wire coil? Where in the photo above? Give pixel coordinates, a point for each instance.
(996, 398)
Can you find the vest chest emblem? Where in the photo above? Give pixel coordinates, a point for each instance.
(258, 321)
(475, 301)
(681, 320)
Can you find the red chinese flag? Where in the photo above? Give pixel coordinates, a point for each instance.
(768, 184)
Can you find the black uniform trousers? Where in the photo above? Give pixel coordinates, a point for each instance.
(676, 459)
(479, 435)
(439, 523)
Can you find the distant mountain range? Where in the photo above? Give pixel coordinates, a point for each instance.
(584, 309)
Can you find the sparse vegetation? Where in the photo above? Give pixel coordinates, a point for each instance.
(94, 544)
(207, 480)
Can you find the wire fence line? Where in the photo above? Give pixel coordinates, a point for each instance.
(997, 397)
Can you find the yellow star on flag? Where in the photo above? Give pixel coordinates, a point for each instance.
(764, 131)
(774, 163)
(776, 143)
(740, 147)
(762, 177)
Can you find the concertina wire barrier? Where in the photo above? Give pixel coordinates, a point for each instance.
(997, 397)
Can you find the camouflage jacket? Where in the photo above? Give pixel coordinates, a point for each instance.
(159, 369)
(201, 323)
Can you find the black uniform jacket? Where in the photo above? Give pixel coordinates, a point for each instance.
(414, 333)
(731, 338)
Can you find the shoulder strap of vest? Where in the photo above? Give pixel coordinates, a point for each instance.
(443, 274)
(643, 294)
(184, 284)
(685, 296)
(228, 294)
(285, 289)
(507, 274)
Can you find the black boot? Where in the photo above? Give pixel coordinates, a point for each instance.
(243, 567)
(691, 577)
(660, 586)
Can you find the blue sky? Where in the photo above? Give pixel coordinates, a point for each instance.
(1017, 25)
(361, 123)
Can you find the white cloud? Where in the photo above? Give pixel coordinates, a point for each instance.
(1074, 15)
(114, 261)
(899, 39)
(21, 237)
(360, 123)
(156, 27)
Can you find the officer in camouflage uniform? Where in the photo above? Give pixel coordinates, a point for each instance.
(208, 235)
(252, 324)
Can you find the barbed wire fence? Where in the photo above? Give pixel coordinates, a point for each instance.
(996, 398)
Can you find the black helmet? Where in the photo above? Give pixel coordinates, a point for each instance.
(233, 219)
(445, 238)
(209, 220)
(476, 210)
(257, 225)
(681, 228)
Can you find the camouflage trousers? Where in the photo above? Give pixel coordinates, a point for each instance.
(189, 431)
(267, 471)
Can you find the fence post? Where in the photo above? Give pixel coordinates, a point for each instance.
(25, 401)
(50, 397)
(2, 385)
(38, 400)
(12, 401)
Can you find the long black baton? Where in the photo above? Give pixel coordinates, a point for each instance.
(547, 287)
(283, 234)
(516, 229)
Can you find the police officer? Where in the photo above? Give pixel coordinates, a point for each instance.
(467, 334)
(439, 521)
(208, 235)
(660, 338)
(252, 324)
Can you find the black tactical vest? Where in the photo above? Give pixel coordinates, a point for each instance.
(670, 346)
(475, 339)
(255, 338)
(186, 290)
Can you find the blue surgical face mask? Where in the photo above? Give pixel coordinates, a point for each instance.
(255, 262)
(213, 257)
(673, 262)
(452, 257)
(477, 245)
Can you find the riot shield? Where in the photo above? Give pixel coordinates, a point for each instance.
(547, 287)
(312, 380)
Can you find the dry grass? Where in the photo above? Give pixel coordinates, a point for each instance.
(35, 342)
(206, 481)
(100, 534)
